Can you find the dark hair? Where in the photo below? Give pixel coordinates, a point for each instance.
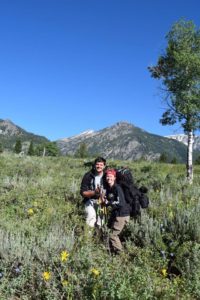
(100, 159)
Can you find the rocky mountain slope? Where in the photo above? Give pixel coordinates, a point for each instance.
(124, 141)
(184, 139)
(9, 133)
(120, 141)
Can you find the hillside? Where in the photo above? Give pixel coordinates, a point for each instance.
(120, 141)
(124, 141)
(9, 133)
(47, 251)
(184, 139)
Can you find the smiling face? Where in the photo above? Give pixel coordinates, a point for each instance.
(110, 178)
(99, 166)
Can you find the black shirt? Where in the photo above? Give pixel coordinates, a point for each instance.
(115, 198)
(88, 183)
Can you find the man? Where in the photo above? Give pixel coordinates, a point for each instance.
(92, 184)
(120, 214)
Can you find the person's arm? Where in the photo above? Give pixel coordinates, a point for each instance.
(85, 190)
(120, 197)
(91, 194)
(88, 194)
(85, 184)
(116, 201)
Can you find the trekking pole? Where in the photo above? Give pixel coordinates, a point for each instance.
(104, 207)
(105, 213)
(101, 209)
(98, 210)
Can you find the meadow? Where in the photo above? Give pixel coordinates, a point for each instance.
(46, 251)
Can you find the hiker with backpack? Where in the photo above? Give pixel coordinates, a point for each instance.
(120, 210)
(136, 197)
(92, 187)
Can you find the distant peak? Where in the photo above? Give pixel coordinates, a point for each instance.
(176, 135)
(90, 131)
(7, 121)
(123, 123)
(86, 133)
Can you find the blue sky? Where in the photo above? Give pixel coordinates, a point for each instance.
(67, 66)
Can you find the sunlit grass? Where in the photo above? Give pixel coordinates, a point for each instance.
(47, 253)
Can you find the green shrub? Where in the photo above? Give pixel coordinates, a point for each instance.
(46, 251)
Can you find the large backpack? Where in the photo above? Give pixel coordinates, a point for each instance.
(136, 197)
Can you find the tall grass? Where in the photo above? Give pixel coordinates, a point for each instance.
(42, 220)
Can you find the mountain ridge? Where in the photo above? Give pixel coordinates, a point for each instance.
(124, 141)
(10, 132)
(184, 139)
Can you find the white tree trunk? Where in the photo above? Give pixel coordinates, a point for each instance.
(189, 157)
(44, 152)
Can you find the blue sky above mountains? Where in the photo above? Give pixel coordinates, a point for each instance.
(72, 65)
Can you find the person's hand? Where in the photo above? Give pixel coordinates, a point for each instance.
(97, 192)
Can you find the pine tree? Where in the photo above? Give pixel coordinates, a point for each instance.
(31, 149)
(18, 146)
(174, 161)
(197, 161)
(47, 149)
(1, 148)
(51, 149)
(163, 158)
(82, 151)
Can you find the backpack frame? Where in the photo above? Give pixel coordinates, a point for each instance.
(136, 197)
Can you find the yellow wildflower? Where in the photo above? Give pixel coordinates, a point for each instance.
(30, 211)
(46, 275)
(95, 272)
(65, 282)
(171, 214)
(164, 272)
(64, 255)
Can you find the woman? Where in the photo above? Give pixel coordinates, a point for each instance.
(120, 213)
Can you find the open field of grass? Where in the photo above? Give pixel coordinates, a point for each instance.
(47, 253)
